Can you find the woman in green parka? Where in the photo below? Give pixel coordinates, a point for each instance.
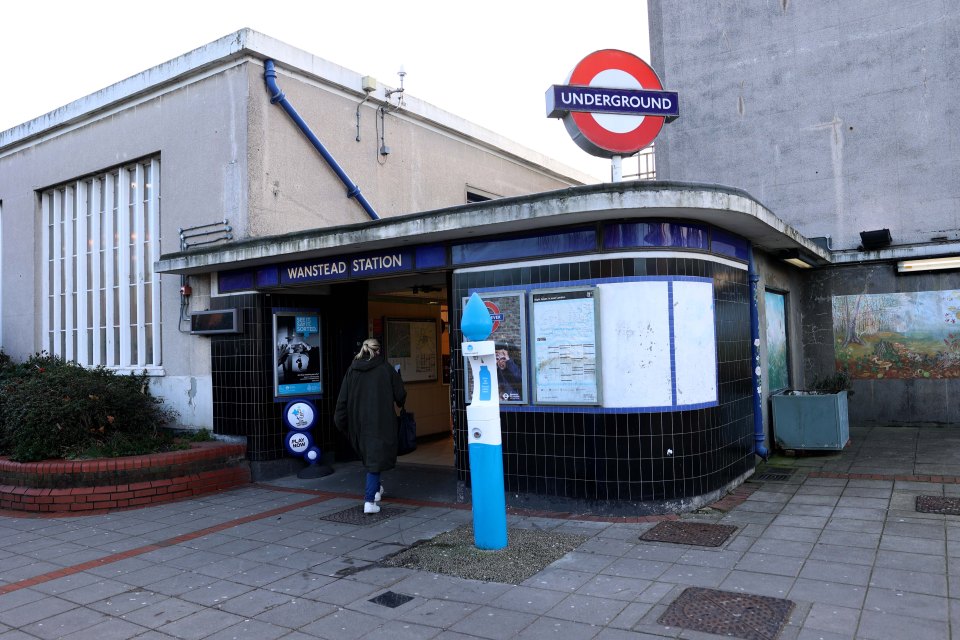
(367, 415)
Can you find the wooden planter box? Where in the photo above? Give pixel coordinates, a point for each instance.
(810, 421)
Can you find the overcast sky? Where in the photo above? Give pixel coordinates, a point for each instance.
(489, 62)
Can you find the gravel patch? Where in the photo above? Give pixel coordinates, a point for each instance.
(453, 554)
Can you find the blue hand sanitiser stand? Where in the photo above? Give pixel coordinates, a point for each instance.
(483, 429)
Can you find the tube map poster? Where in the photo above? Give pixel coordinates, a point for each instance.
(565, 347)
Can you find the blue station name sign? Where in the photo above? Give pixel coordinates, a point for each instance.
(562, 99)
(333, 268)
(338, 268)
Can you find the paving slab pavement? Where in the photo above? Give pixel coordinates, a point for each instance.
(838, 538)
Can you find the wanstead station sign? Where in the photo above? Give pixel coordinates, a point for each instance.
(613, 104)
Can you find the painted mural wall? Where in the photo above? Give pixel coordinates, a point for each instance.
(898, 335)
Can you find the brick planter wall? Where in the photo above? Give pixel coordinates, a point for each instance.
(95, 486)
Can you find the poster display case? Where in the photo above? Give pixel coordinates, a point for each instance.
(566, 356)
(508, 312)
(296, 339)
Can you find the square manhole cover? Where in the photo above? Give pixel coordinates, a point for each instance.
(391, 599)
(702, 534)
(355, 515)
(727, 613)
(774, 474)
(938, 504)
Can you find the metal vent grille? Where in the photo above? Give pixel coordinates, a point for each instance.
(726, 613)
(774, 474)
(355, 515)
(702, 534)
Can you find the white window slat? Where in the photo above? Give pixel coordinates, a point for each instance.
(83, 337)
(96, 284)
(154, 218)
(69, 282)
(1, 272)
(46, 206)
(110, 235)
(57, 337)
(123, 277)
(138, 248)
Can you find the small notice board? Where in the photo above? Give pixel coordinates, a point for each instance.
(412, 345)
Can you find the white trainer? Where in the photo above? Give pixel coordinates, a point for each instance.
(379, 494)
(371, 507)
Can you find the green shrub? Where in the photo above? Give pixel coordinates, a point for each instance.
(201, 435)
(834, 383)
(51, 408)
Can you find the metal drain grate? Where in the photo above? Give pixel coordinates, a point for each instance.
(391, 599)
(726, 613)
(702, 534)
(774, 474)
(355, 515)
(938, 504)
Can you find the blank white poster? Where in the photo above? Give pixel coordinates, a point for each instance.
(695, 343)
(635, 334)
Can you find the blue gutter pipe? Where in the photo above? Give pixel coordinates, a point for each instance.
(758, 434)
(276, 96)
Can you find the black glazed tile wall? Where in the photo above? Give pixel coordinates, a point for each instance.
(242, 367)
(622, 456)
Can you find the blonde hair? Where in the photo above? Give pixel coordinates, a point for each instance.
(370, 348)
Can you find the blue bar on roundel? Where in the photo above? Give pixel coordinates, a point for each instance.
(489, 504)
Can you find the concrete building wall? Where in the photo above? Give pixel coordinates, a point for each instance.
(198, 131)
(292, 188)
(839, 116)
(226, 153)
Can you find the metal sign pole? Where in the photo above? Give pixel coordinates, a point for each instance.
(616, 169)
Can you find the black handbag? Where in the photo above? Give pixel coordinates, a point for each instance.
(406, 433)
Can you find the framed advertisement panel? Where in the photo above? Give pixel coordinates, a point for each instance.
(296, 356)
(509, 334)
(778, 373)
(412, 347)
(566, 354)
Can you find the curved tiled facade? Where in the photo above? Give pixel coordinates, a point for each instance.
(591, 454)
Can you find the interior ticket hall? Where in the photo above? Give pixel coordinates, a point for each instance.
(623, 321)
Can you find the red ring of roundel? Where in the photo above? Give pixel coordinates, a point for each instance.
(623, 143)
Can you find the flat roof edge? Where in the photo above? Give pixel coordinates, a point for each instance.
(712, 204)
(229, 46)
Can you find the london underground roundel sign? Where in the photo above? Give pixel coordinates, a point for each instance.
(613, 104)
(495, 314)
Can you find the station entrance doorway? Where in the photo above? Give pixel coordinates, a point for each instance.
(410, 315)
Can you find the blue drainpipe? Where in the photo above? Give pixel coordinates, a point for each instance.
(758, 434)
(276, 95)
